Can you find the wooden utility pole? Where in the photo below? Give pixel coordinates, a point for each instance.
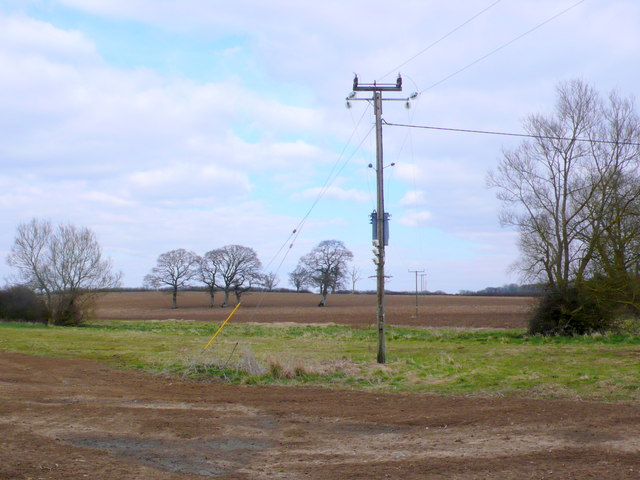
(423, 283)
(381, 236)
(416, 272)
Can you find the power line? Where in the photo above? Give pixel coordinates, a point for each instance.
(331, 177)
(394, 70)
(333, 174)
(511, 134)
(501, 47)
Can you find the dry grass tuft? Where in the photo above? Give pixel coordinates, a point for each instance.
(249, 363)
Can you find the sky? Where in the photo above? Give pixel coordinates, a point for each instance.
(165, 124)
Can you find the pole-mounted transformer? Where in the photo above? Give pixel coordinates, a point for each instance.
(385, 227)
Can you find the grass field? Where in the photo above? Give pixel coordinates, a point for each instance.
(484, 362)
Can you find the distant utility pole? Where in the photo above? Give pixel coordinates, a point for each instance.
(416, 272)
(381, 236)
(423, 283)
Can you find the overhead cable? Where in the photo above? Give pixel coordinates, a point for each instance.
(395, 69)
(331, 177)
(511, 134)
(501, 47)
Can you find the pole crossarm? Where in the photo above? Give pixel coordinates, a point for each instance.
(377, 87)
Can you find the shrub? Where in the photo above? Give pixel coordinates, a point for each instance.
(21, 303)
(575, 311)
(70, 315)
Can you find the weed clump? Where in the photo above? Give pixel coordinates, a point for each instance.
(249, 364)
(280, 371)
(277, 371)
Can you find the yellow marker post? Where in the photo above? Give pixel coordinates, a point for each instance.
(221, 327)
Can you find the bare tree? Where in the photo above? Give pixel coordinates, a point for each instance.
(326, 266)
(270, 281)
(354, 276)
(65, 264)
(615, 208)
(208, 268)
(576, 203)
(238, 270)
(175, 269)
(299, 278)
(545, 187)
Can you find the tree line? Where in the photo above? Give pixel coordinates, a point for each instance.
(59, 270)
(233, 268)
(236, 269)
(508, 290)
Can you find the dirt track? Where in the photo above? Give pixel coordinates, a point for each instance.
(73, 419)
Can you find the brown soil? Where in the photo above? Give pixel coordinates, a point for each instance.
(433, 310)
(74, 419)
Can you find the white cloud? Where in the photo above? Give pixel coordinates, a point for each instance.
(75, 119)
(430, 172)
(104, 200)
(416, 219)
(413, 198)
(34, 38)
(185, 182)
(624, 38)
(491, 242)
(337, 193)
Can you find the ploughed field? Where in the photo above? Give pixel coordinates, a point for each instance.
(64, 419)
(72, 418)
(346, 309)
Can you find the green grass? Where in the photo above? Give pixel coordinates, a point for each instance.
(447, 362)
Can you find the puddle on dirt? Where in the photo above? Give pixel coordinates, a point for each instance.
(583, 436)
(208, 458)
(364, 429)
